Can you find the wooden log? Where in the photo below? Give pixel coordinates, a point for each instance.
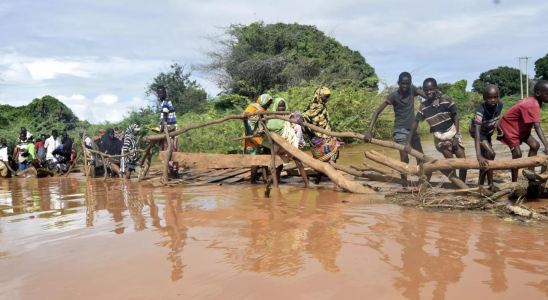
(85, 156)
(467, 163)
(397, 165)
(237, 178)
(272, 154)
(526, 213)
(322, 167)
(105, 155)
(217, 161)
(169, 151)
(232, 173)
(105, 166)
(72, 165)
(409, 169)
(355, 135)
(159, 137)
(147, 156)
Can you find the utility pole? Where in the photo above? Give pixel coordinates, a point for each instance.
(521, 75)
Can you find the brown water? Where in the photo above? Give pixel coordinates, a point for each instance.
(71, 239)
(68, 239)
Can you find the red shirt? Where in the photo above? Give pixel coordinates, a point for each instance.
(38, 145)
(518, 121)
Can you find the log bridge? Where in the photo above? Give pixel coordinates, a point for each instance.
(233, 168)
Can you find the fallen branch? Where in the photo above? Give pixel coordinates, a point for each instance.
(105, 155)
(467, 163)
(322, 167)
(245, 116)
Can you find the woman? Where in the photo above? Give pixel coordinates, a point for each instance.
(130, 144)
(324, 147)
(290, 132)
(252, 126)
(112, 146)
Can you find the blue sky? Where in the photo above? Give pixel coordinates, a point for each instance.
(97, 56)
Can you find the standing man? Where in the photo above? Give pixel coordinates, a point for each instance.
(167, 112)
(403, 101)
(51, 144)
(40, 150)
(5, 159)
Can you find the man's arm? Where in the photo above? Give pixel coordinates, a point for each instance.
(541, 136)
(483, 162)
(368, 137)
(421, 93)
(408, 147)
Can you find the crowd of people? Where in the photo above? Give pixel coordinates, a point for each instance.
(438, 110)
(514, 128)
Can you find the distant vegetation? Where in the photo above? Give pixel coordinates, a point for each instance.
(285, 60)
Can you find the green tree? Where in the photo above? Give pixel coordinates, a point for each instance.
(506, 78)
(186, 95)
(541, 68)
(252, 59)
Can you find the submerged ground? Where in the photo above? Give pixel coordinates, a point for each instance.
(71, 239)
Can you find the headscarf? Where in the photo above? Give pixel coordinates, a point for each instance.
(316, 113)
(103, 135)
(112, 145)
(277, 125)
(130, 144)
(263, 99)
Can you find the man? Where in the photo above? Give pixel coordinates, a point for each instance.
(6, 169)
(21, 152)
(40, 149)
(167, 112)
(92, 158)
(24, 131)
(51, 144)
(403, 102)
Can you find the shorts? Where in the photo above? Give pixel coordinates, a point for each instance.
(3, 169)
(483, 137)
(513, 143)
(401, 134)
(131, 167)
(23, 166)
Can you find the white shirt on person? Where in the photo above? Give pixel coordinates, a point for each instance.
(50, 145)
(4, 154)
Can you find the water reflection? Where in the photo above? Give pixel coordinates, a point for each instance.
(422, 255)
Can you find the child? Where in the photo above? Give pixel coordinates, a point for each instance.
(482, 127)
(443, 121)
(404, 108)
(517, 122)
(167, 113)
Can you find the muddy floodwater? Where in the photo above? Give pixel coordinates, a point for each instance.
(65, 238)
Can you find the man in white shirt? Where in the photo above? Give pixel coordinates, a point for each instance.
(51, 144)
(4, 159)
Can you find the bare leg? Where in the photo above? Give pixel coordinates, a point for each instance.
(92, 171)
(534, 145)
(516, 153)
(302, 171)
(253, 174)
(460, 154)
(265, 174)
(128, 173)
(418, 146)
(487, 152)
(318, 178)
(404, 157)
(115, 169)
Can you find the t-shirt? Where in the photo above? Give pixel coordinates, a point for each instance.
(51, 144)
(487, 118)
(439, 118)
(21, 149)
(4, 154)
(167, 107)
(518, 121)
(404, 108)
(30, 149)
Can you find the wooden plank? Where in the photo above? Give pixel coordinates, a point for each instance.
(237, 178)
(216, 161)
(225, 176)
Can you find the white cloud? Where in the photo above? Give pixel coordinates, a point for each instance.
(50, 68)
(102, 108)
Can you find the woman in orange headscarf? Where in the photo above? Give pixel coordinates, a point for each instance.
(252, 126)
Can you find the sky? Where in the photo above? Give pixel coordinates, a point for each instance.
(97, 56)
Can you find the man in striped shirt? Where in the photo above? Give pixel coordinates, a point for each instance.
(443, 121)
(167, 112)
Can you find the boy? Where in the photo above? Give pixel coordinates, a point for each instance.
(40, 150)
(20, 151)
(443, 121)
(482, 127)
(167, 112)
(403, 101)
(517, 122)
